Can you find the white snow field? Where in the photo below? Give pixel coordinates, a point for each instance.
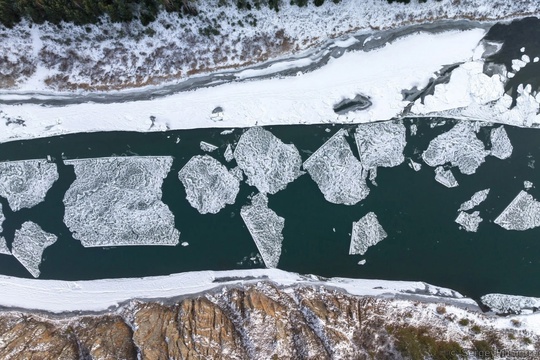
(265, 227)
(29, 244)
(25, 183)
(209, 185)
(116, 201)
(366, 232)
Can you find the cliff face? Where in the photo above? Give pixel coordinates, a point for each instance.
(260, 322)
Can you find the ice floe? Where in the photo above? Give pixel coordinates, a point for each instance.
(116, 201)
(366, 232)
(459, 147)
(414, 165)
(207, 146)
(3, 246)
(337, 172)
(477, 198)
(238, 173)
(523, 213)
(268, 163)
(501, 147)
(380, 144)
(469, 222)
(209, 185)
(510, 304)
(29, 244)
(228, 154)
(265, 227)
(445, 177)
(25, 183)
(528, 185)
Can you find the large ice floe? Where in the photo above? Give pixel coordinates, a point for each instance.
(477, 198)
(117, 201)
(469, 222)
(523, 213)
(265, 227)
(381, 144)
(510, 304)
(338, 173)
(366, 232)
(209, 185)
(501, 147)
(29, 244)
(459, 146)
(25, 183)
(268, 163)
(445, 177)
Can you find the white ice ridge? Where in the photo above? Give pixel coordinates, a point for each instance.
(366, 232)
(228, 154)
(337, 172)
(477, 198)
(117, 201)
(523, 213)
(207, 146)
(501, 147)
(506, 304)
(209, 185)
(29, 244)
(268, 163)
(25, 183)
(469, 222)
(265, 227)
(380, 144)
(459, 146)
(445, 177)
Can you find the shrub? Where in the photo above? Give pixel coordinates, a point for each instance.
(441, 310)
(476, 329)
(464, 322)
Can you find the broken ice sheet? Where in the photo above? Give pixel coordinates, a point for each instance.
(207, 146)
(521, 214)
(469, 222)
(500, 143)
(380, 144)
(25, 183)
(116, 201)
(265, 228)
(459, 146)
(337, 172)
(209, 185)
(268, 163)
(366, 232)
(445, 177)
(477, 198)
(29, 244)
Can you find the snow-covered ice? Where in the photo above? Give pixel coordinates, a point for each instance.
(505, 304)
(228, 154)
(528, 185)
(209, 185)
(521, 214)
(501, 147)
(268, 163)
(116, 201)
(477, 198)
(207, 146)
(29, 244)
(459, 146)
(265, 227)
(337, 172)
(238, 173)
(25, 183)
(380, 144)
(366, 232)
(3, 246)
(469, 222)
(445, 177)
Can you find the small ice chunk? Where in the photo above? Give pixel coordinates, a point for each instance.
(228, 154)
(522, 49)
(207, 146)
(445, 177)
(525, 58)
(185, 243)
(338, 174)
(414, 165)
(517, 64)
(469, 222)
(510, 304)
(477, 198)
(373, 176)
(268, 163)
(265, 228)
(3, 246)
(29, 244)
(501, 147)
(459, 146)
(510, 75)
(116, 201)
(227, 132)
(366, 232)
(25, 183)
(528, 185)
(380, 144)
(536, 59)
(209, 185)
(414, 129)
(362, 262)
(523, 213)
